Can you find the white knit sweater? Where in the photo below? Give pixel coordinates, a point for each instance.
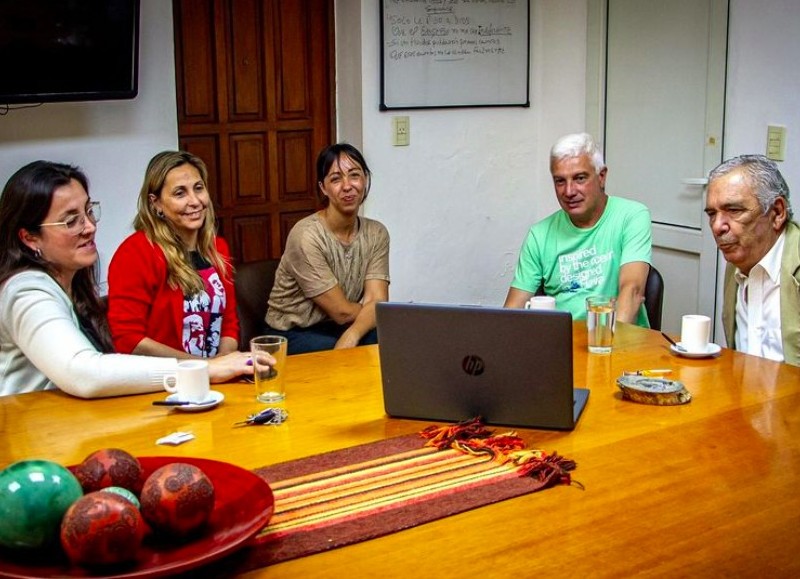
(42, 347)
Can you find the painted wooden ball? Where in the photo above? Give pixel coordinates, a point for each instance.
(110, 467)
(177, 499)
(102, 528)
(34, 495)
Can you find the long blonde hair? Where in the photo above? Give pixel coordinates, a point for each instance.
(180, 272)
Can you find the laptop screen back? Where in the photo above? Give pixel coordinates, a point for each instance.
(452, 363)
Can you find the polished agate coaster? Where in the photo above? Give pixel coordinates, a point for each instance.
(656, 391)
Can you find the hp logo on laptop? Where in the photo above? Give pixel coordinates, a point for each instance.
(472, 365)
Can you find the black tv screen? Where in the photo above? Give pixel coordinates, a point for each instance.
(68, 50)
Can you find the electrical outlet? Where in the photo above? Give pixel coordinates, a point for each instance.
(401, 131)
(776, 142)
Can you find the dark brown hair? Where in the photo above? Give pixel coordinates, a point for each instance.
(332, 153)
(24, 204)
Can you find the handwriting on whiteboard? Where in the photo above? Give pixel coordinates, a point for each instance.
(448, 30)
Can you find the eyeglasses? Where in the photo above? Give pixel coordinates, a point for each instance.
(76, 224)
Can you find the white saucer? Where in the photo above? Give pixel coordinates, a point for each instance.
(213, 400)
(711, 351)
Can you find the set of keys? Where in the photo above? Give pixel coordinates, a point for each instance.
(267, 416)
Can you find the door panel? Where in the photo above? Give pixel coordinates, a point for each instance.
(195, 62)
(250, 182)
(294, 166)
(255, 94)
(292, 47)
(246, 67)
(657, 73)
(665, 74)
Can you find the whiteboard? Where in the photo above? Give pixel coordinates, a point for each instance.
(454, 53)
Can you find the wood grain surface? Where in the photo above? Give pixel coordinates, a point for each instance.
(704, 489)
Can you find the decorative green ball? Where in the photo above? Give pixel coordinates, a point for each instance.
(34, 495)
(125, 494)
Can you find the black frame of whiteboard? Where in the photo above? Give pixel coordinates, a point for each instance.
(384, 73)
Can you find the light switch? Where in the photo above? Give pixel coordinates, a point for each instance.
(401, 131)
(776, 142)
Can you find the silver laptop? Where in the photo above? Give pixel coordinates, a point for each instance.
(452, 363)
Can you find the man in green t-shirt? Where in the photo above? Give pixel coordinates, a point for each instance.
(594, 245)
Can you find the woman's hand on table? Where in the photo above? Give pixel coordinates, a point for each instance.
(230, 366)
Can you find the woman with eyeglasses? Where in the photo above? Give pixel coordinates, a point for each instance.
(53, 330)
(335, 267)
(174, 270)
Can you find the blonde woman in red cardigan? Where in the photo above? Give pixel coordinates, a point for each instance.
(170, 286)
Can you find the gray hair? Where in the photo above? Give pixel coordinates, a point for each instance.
(575, 145)
(762, 174)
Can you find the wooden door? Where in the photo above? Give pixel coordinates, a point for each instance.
(255, 102)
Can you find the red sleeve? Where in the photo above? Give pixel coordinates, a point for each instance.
(137, 295)
(230, 319)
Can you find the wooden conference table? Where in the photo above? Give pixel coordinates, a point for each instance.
(709, 488)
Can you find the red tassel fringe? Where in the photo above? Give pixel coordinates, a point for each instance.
(472, 437)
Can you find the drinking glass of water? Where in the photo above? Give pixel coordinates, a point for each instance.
(601, 318)
(269, 378)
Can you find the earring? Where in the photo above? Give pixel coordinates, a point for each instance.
(38, 253)
(160, 214)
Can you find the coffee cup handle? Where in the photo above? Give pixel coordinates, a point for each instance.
(172, 387)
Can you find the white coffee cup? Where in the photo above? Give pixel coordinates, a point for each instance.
(695, 331)
(541, 303)
(190, 382)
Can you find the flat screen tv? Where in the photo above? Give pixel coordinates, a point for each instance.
(68, 50)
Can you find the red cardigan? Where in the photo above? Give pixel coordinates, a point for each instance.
(142, 304)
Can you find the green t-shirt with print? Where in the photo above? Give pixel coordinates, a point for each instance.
(572, 263)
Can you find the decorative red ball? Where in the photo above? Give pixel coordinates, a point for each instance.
(177, 499)
(102, 528)
(110, 467)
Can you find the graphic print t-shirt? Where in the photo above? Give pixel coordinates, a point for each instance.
(573, 263)
(202, 312)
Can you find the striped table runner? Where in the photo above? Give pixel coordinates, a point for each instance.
(343, 497)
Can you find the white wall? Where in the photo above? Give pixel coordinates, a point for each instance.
(459, 200)
(763, 85)
(349, 127)
(111, 141)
